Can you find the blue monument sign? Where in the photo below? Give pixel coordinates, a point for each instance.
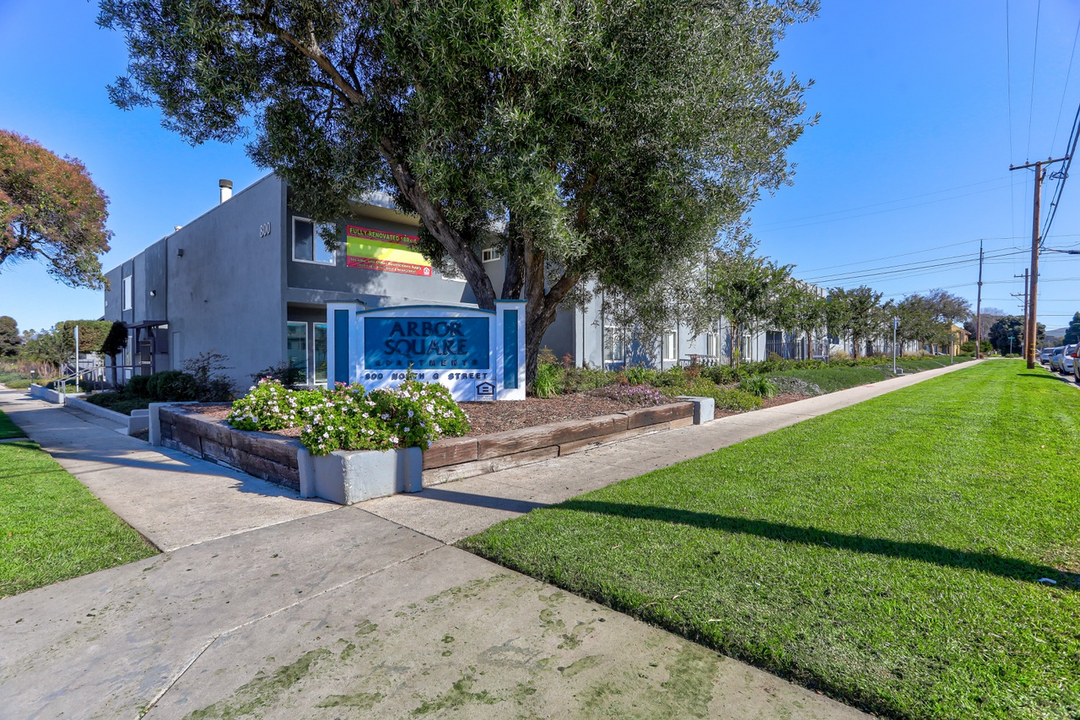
(477, 354)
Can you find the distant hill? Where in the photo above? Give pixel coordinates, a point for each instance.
(1060, 332)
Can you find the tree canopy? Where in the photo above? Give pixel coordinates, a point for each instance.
(1013, 326)
(591, 142)
(746, 289)
(51, 209)
(10, 339)
(1072, 333)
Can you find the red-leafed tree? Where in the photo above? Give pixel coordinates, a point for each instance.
(51, 210)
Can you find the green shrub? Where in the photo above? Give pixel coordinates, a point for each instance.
(413, 415)
(758, 385)
(120, 402)
(581, 379)
(207, 369)
(271, 406)
(138, 386)
(640, 375)
(284, 372)
(675, 377)
(724, 374)
(548, 381)
(171, 386)
(17, 383)
(735, 399)
(348, 418)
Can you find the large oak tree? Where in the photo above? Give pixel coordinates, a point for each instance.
(592, 140)
(50, 209)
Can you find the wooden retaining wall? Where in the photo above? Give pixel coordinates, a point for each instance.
(264, 455)
(457, 458)
(273, 457)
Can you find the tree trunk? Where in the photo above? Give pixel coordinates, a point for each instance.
(514, 282)
(436, 223)
(734, 329)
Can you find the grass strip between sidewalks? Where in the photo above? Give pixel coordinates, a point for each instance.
(889, 553)
(52, 527)
(9, 429)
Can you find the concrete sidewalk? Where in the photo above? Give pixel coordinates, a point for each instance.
(272, 606)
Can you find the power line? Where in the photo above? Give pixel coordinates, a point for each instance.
(1008, 76)
(1064, 90)
(906, 268)
(913, 252)
(887, 202)
(1034, 58)
(769, 227)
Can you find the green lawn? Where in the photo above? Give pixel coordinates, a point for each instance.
(887, 553)
(830, 378)
(9, 429)
(51, 527)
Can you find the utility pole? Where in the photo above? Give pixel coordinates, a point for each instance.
(1024, 337)
(978, 309)
(1031, 328)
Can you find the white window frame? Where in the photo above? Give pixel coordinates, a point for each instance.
(315, 353)
(316, 243)
(670, 346)
(614, 337)
(490, 254)
(712, 344)
(307, 347)
(127, 301)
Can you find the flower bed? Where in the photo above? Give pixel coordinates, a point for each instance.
(414, 414)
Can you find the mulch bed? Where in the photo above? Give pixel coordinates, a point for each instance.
(767, 403)
(491, 417)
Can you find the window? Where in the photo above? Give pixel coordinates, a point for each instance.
(614, 347)
(671, 345)
(308, 245)
(491, 254)
(296, 348)
(319, 341)
(126, 291)
(712, 344)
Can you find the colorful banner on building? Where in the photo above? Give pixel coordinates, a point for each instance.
(384, 251)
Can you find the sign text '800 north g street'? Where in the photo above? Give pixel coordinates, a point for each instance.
(434, 343)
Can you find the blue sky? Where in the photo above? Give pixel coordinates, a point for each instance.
(923, 106)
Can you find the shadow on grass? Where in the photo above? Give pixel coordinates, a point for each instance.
(923, 552)
(485, 501)
(1042, 376)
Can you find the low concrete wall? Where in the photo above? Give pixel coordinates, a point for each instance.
(457, 458)
(43, 393)
(138, 421)
(264, 455)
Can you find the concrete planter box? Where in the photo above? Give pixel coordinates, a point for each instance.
(138, 421)
(351, 477)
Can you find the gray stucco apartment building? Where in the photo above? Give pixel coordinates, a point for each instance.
(250, 279)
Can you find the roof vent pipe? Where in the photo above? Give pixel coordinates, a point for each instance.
(226, 189)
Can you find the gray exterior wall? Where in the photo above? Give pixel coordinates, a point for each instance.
(225, 290)
(227, 282)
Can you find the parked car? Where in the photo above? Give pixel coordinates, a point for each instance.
(1044, 355)
(1068, 359)
(1055, 358)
